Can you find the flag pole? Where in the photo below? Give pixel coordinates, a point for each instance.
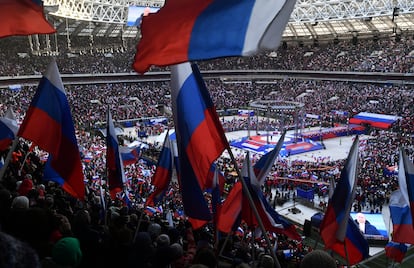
(8, 158)
(24, 161)
(346, 254)
(252, 205)
(225, 243)
(139, 223)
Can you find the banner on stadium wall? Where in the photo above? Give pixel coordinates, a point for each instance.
(156, 121)
(15, 87)
(339, 112)
(313, 116)
(245, 113)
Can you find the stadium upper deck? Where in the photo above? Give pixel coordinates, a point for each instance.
(311, 21)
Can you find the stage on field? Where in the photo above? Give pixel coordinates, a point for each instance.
(262, 144)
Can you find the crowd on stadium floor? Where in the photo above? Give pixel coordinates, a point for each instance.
(41, 214)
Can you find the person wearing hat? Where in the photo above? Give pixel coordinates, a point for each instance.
(25, 186)
(67, 252)
(20, 202)
(318, 258)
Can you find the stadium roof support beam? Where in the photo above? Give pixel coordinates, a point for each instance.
(108, 11)
(331, 29)
(333, 16)
(370, 25)
(78, 29)
(110, 29)
(350, 26)
(116, 11)
(293, 30)
(311, 29)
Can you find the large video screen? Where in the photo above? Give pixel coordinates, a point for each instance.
(135, 14)
(372, 225)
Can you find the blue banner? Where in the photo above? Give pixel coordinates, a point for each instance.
(307, 194)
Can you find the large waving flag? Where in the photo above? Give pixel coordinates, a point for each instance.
(406, 180)
(216, 189)
(200, 136)
(399, 205)
(237, 203)
(230, 209)
(395, 251)
(338, 230)
(272, 221)
(265, 163)
(8, 129)
(129, 155)
(402, 224)
(163, 173)
(115, 167)
(198, 127)
(48, 123)
(23, 17)
(208, 29)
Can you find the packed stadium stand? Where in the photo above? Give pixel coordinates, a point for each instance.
(350, 63)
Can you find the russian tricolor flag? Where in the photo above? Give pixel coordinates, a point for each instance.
(338, 230)
(198, 128)
(217, 189)
(272, 221)
(115, 167)
(402, 223)
(396, 251)
(376, 120)
(237, 203)
(230, 209)
(48, 123)
(200, 136)
(23, 17)
(400, 211)
(265, 163)
(129, 156)
(190, 30)
(406, 180)
(151, 211)
(163, 173)
(8, 129)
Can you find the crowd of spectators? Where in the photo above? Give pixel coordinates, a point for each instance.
(113, 55)
(59, 231)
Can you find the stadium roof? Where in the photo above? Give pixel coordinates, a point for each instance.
(311, 20)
